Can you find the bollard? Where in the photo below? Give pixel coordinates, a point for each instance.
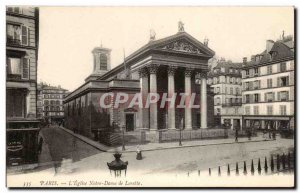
(278, 162)
(252, 168)
(245, 168)
(209, 171)
(283, 161)
(219, 171)
(237, 169)
(259, 167)
(228, 170)
(266, 165)
(272, 164)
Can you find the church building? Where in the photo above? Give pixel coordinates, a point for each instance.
(173, 65)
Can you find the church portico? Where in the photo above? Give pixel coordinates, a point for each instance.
(169, 77)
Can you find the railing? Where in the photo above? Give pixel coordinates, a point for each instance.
(232, 104)
(273, 164)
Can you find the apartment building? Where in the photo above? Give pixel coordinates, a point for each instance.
(50, 102)
(226, 80)
(22, 37)
(269, 85)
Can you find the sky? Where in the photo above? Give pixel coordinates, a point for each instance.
(69, 34)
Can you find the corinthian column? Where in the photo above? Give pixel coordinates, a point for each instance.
(188, 88)
(144, 112)
(203, 99)
(171, 92)
(153, 89)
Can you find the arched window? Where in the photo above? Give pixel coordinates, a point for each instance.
(46, 102)
(57, 102)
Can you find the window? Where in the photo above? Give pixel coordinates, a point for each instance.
(282, 66)
(217, 101)
(269, 69)
(218, 111)
(256, 84)
(14, 10)
(57, 102)
(247, 72)
(270, 110)
(283, 81)
(256, 98)
(283, 96)
(46, 102)
(103, 62)
(247, 110)
(237, 91)
(231, 91)
(269, 97)
(269, 83)
(45, 96)
(246, 85)
(255, 71)
(17, 68)
(247, 98)
(255, 110)
(17, 34)
(15, 103)
(282, 109)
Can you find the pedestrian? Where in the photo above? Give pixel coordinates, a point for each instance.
(264, 134)
(236, 134)
(40, 145)
(274, 134)
(138, 153)
(249, 133)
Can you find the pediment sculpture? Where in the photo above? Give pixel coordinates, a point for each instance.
(182, 46)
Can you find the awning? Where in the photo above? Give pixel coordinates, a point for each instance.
(268, 118)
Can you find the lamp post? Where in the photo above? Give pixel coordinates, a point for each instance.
(123, 141)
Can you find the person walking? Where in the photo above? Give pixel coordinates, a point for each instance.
(236, 134)
(40, 145)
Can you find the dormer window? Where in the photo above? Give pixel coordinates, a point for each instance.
(14, 10)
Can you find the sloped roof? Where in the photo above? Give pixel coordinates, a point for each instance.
(280, 50)
(227, 65)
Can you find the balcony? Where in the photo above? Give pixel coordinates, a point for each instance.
(232, 104)
(11, 41)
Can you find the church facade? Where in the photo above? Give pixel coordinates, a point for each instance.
(161, 75)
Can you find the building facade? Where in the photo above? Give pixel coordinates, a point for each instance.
(226, 80)
(170, 65)
(269, 86)
(50, 103)
(22, 37)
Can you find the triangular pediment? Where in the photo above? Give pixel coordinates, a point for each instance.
(184, 43)
(182, 46)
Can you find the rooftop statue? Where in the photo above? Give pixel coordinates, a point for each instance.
(180, 26)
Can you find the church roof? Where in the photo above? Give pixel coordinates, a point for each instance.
(154, 44)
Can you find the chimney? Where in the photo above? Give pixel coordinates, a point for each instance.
(245, 60)
(269, 45)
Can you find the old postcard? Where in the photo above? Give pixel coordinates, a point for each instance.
(150, 97)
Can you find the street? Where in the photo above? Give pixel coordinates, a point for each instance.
(69, 155)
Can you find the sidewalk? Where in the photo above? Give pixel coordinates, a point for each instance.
(166, 145)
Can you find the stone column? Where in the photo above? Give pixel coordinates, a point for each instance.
(171, 92)
(203, 103)
(153, 89)
(188, 92)
(144, 112)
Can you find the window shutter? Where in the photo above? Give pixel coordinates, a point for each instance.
(8, 65)
(287, 81)
(259, 83)
(287, 95)
(278, 67)
(273, 96)
(278, 82)
(265, 97)
(24, 35)
(258, 97)
(278, 96)
(25, 68)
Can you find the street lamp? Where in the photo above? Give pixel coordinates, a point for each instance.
(180, 128)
